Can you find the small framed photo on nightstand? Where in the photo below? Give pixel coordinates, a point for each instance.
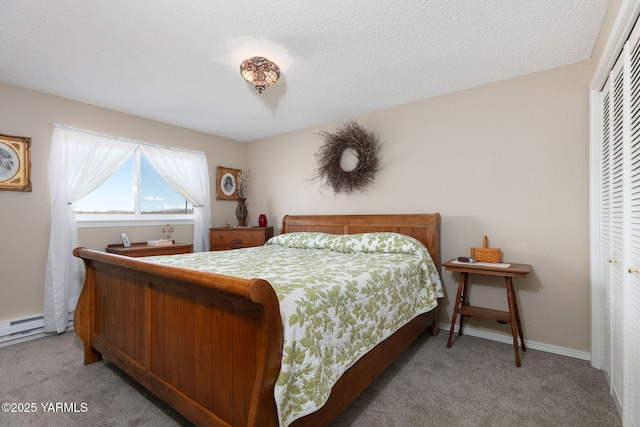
(125, 240)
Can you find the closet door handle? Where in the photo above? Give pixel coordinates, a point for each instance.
(633, 270)
(613, 260)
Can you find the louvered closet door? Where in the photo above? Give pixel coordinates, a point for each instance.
(631, 290)
(620, 230)
(613, 164)
(605, 227)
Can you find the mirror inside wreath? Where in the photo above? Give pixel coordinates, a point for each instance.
(348, 160)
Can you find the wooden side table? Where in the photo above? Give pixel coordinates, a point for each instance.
(222, 239)
(463, 308)
(142, 249)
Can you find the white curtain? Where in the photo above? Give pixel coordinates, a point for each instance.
(80, 161)
(188, 173)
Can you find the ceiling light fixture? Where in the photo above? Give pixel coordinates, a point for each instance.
(260, 72)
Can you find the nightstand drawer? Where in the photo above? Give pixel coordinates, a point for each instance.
(254, 237)
(235, 238)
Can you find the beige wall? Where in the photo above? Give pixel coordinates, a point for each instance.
(509, 160)
(26, 216)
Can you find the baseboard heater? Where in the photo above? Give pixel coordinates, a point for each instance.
(24, 328)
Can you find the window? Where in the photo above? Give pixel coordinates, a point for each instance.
(135, 192)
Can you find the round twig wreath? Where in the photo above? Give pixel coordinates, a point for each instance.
(365, 145)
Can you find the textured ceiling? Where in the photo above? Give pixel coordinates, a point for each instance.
(177, 61)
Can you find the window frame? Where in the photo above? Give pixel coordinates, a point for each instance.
(137, 218)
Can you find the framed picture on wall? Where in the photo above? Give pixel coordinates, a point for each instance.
(227, 183)
(15, 163)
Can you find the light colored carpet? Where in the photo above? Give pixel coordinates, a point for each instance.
(474, 383)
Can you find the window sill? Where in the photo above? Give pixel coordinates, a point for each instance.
(132, 222)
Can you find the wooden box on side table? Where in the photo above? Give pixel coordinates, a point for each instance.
(222, 239)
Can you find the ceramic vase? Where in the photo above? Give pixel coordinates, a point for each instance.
(262, 220)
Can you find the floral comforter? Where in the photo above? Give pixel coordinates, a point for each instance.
(340, 295)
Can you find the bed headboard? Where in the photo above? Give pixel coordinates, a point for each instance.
(424, 227)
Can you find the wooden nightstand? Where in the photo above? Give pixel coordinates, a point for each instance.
(222, 239)
(142, 249)
(463, 308)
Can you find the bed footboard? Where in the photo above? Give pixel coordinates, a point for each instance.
(209, 345)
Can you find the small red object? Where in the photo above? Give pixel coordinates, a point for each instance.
(262, 220)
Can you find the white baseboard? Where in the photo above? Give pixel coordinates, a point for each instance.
(508, 339)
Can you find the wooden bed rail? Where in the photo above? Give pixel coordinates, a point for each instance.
(209, 345)
(219, 282)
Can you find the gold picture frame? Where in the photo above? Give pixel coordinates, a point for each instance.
(227, 183)
(15, 163)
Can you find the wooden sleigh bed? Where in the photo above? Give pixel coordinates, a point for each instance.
(168, 327)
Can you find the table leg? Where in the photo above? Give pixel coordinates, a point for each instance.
(464, 277)
(515, 323)
(517, 310)
(460, 297)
